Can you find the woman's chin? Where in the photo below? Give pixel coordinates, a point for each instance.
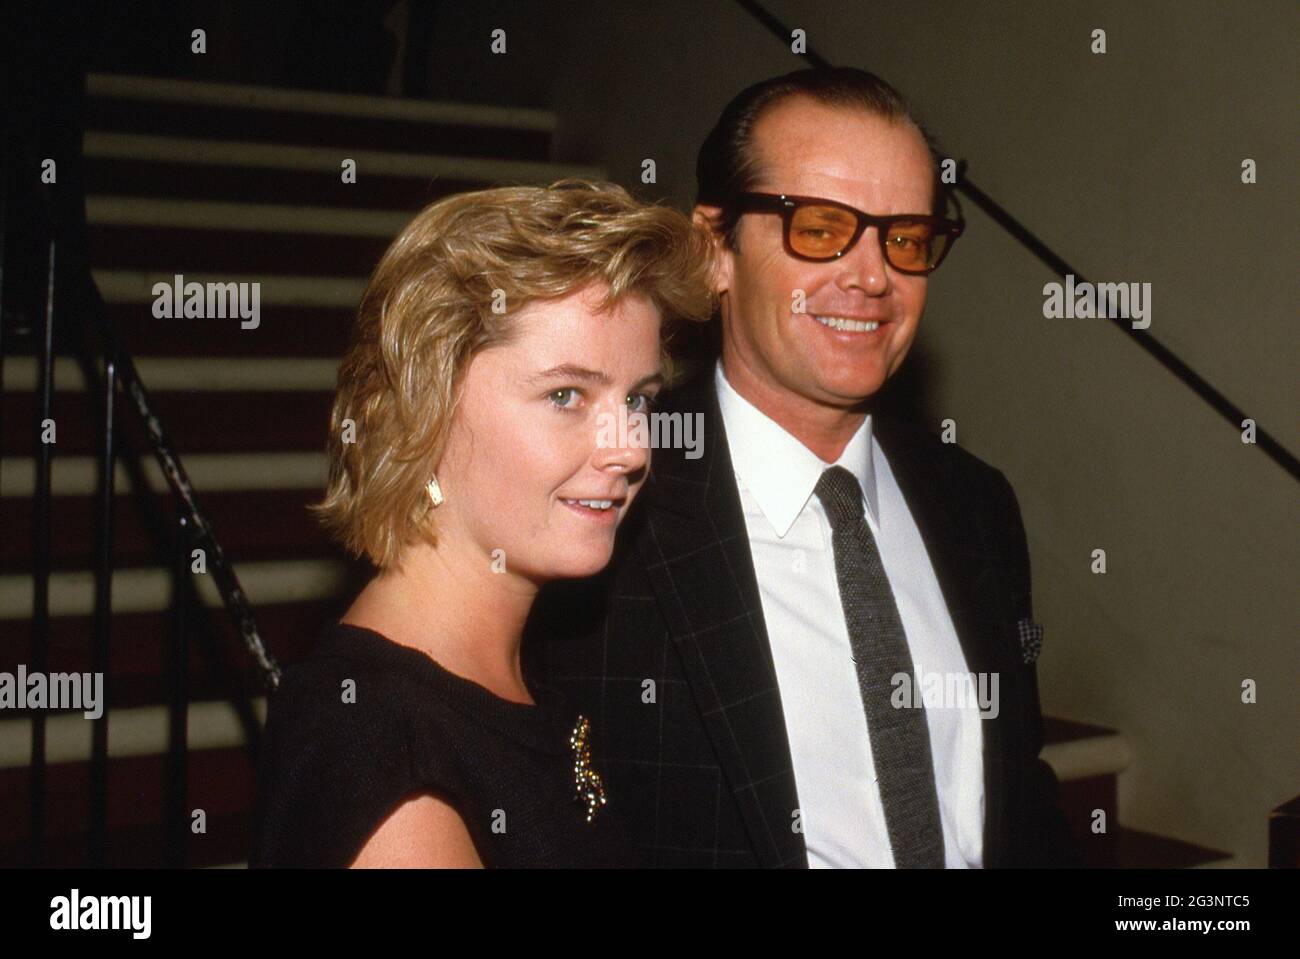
(580, 567)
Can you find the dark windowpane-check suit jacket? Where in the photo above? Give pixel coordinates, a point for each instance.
(667, 653)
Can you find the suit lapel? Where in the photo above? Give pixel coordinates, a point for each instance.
(945, 515)
(697, 556)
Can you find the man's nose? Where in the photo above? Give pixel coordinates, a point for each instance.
(864, 266)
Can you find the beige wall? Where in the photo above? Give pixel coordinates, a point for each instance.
(1128, 164)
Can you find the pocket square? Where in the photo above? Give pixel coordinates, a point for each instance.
(1031, 639)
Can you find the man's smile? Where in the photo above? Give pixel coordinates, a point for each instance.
(848, 328)
(846, 324)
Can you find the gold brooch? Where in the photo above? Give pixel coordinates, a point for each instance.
(589, 790)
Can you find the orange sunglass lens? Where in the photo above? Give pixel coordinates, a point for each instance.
(821, 230)
(914, 246)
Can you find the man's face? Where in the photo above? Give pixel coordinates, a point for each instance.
(838, 153)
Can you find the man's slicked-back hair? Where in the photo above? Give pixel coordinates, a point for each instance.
(728, 164)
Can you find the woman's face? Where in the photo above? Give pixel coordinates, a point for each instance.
(532, 436)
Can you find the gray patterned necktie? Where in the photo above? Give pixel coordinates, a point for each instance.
(900, 738)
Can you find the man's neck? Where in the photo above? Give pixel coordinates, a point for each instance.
(825, 430)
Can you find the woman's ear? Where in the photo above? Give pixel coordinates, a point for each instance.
(709, 219)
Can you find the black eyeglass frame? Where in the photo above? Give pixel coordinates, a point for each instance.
(786, 203)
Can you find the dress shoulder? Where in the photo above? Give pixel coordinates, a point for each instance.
(337, 754)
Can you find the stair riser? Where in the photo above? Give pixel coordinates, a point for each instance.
(251, 525)
(155, 249)
(1077, 800)
(283, 331)
(267, 126)
(219, 781)
(141, 847)
(196, 422)
(137, 637)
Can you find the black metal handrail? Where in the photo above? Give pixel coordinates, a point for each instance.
(1166, 357)
(70, 291)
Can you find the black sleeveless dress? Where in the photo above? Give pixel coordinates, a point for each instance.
(332, 770)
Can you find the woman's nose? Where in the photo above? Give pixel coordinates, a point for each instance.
(625, 454)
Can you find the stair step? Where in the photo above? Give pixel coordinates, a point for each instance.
(1078, 751)
(149, 104)
(1085, 758)
(148, 589)
(169, 374)
(132, 731)
(149, 89)
(136, 287)
(75, 476)
(113, 176)
(222, 216)
(144, 148)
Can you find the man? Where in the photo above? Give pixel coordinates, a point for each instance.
(754, 659)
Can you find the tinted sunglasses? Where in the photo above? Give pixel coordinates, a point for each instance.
(819, 230)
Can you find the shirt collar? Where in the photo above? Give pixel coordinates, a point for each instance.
(776, 468)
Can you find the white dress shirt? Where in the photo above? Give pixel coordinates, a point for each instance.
(790, 538)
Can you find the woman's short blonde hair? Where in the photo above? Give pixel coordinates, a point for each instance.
(436, 299)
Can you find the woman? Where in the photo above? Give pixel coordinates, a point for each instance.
(499, 332)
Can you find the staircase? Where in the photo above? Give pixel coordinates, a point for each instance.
(1087, 761)
(223, 183)
(233, 183)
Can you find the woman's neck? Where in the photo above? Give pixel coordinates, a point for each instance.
(449, 603)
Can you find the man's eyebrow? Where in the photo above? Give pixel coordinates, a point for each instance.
(582, 374)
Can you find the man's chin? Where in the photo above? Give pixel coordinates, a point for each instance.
(851, 391)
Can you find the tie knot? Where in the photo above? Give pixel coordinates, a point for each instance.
(840, 493)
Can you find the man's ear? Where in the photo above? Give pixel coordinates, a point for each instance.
(709, 218)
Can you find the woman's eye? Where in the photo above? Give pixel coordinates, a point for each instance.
(640, 402)
(560, 403)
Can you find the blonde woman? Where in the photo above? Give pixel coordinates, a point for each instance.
(499, 333)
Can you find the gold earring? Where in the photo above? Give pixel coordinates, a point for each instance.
(434, 491)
